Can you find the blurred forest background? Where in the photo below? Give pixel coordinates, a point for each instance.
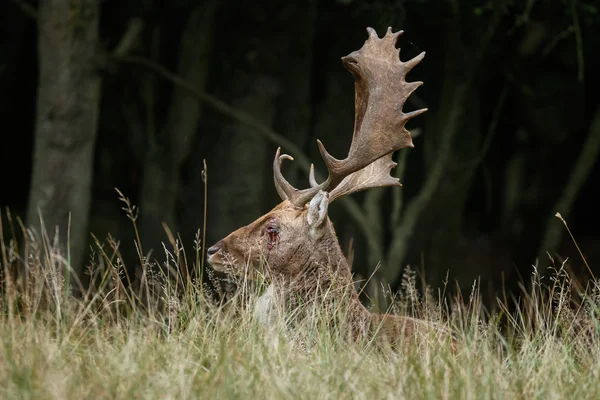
(136, 94)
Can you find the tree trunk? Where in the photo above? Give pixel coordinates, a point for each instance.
(167, 151)
(66, 125)
(462, 73)
(445, 214)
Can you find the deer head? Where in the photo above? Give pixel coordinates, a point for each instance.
(297, 234)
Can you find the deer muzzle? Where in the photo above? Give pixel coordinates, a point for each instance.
(214, 249)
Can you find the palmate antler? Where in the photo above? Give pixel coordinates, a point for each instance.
(379, 127)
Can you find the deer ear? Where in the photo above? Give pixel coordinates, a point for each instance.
(317, 213)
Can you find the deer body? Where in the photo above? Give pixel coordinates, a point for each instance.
(294, 246)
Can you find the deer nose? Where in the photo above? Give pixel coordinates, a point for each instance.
(213, 249)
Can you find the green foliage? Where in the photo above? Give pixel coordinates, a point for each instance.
(591, 9)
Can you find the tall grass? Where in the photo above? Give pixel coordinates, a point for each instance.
(162, 335)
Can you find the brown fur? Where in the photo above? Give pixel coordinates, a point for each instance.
(302, 267)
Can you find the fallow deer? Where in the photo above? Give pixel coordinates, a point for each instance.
(295, 245)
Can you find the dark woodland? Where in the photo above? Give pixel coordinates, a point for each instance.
(181, 105)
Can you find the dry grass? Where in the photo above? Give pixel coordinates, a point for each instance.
(170, 340)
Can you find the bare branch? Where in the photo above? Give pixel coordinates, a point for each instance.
(583, 167)
(492, 129)
(271, 135)
(130, 37)
(578, 40)
(27, 8)
(397, 200)
(405, 230)
(561, 36)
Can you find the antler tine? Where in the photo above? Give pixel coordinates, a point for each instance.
(412, 114)
(376, 174)
(379, 127)
(311, 176)
(284, 188)
(372, 33)
(410, 64)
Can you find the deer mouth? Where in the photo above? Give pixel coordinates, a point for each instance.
(222, 267)
(223, 263)
(218, 264)
(211, 261)
(214, 257)
(239, 270)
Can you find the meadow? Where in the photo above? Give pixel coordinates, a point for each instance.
(170, 339)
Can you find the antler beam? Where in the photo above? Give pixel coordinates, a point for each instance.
(381, 91)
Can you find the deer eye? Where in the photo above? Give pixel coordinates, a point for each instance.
(272, 236)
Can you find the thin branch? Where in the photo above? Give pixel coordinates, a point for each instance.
(404, 231)
(130, 37)
(397, 200)
(487, 40)
(491, 133)
(220, 106)
(372, 210)
(26, 8)
(472, 165)
(523, 18)
(561, 36)
(271, 135)
(578, 40)
(579, 175)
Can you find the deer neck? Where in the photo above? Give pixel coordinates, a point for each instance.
(325, 270)
(325, 266)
